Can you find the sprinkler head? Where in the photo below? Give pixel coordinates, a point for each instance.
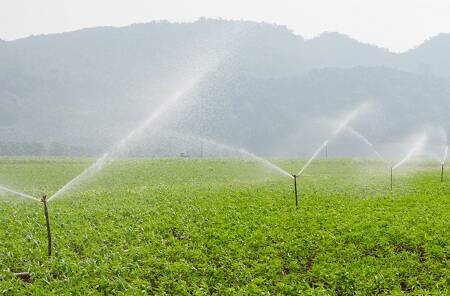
(295, 176)
(44, 198)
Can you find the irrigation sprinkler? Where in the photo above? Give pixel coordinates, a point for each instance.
(47, 221)
(442, 173)
(295, 190)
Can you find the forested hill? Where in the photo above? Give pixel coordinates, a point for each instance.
(273, 92)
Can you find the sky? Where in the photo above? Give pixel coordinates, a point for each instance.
(398, 25)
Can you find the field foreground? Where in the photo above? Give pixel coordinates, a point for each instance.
(226, 226)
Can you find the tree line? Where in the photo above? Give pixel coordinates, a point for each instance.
(41, 149)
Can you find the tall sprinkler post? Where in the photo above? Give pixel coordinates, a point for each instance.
(47, 221)
(442, 173)
(295, 190)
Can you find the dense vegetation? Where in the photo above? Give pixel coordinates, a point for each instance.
(226, 226)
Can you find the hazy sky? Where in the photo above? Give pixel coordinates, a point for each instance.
(395, 24)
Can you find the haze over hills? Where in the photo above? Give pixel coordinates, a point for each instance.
(275, 94)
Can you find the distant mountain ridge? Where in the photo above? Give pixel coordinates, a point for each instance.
(89, 87)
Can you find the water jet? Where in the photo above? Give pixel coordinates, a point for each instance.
(199, 71)
(366, 141)
(17, 193)
(342, 125)
(418, 145)
(444, 158)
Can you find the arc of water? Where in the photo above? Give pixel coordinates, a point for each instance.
(343, 124)
(313, 157)
(350, 117)
(242, 151)
(100, 163)
(366, 141)
(266, 163)
(18, 193)
(445, 155)
(418, 145)
(193, 79)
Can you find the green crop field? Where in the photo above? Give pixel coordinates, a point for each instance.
(226, 226)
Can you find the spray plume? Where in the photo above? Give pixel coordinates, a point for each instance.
(18, 193)
(445, 154)
(416, 148)
(366, 141)
(208, 64)
(266, 163)
(342, 125)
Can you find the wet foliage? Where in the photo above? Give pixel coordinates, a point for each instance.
(226, 226)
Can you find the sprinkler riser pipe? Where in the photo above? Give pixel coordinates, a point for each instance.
(295, 190)
(47, 223)
(442, 173)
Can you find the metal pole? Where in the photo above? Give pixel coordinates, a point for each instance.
(47, 221)
(295, 190)
(442, 173)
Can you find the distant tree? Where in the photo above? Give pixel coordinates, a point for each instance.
(57, 149)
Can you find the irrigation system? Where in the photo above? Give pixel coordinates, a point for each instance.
(344, 125)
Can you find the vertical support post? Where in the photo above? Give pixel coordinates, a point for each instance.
(391, 178)
(326, 151)
(47, 221)
(442, 173)
(295, 190)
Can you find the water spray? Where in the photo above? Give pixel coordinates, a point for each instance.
(47, 222)
(313, 157)
(418, 145)
(342, 125)
(366, 141)
(200, 71)
(44, 200)
(17, 193)
(443, 163)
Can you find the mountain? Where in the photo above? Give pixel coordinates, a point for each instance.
(249, 84)
(430, 58)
